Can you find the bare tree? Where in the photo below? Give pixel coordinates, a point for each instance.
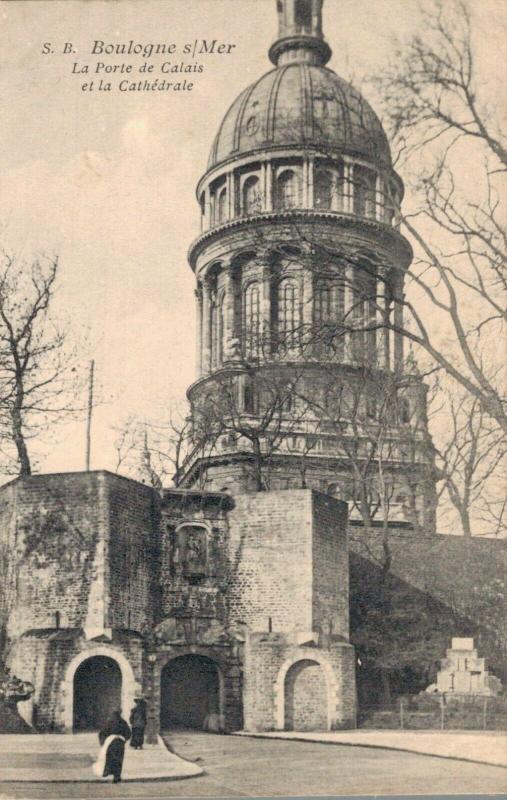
(456, 160)
(373, 434)
(152, 452)
(471, 452)
(38, 376)
(254, 408)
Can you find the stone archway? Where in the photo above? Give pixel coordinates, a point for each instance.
(97, 692)
(322, 685)
(129, 685)
(191, 690)
(305, 697)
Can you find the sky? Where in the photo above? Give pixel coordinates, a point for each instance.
(107, 179)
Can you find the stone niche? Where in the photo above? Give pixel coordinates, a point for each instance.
(463, 672)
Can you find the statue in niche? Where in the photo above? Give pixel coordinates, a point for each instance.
(192, 547)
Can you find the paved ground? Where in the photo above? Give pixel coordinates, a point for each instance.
(486, 747)
(243, 767)
(32, 758)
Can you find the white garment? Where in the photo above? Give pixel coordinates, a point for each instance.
(100, 764)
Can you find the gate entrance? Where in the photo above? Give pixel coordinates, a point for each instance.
(305, 697)
(189, 693)
(97, 692)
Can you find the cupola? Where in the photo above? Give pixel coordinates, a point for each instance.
(300, 37)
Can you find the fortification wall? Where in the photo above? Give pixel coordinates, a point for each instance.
(450, 568)
(330, 566)
(288, 562)
(75, 552)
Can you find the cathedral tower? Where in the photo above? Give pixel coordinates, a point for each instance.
(300, 269)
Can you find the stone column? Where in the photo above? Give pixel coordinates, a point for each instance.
(310, 173)
(268, 186)
(373, 334)
(348, 310)
(304, 185)
(336, 200)
(379, 198)
(229, 312)
(153, 697)
(398, 321)
(231, 198)
(396, 208)
(307, 313)
(206, 327)
(383, 333)
(198, 312)
(265, 349)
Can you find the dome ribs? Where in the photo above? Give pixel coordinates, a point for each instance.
(238, 129)
(306, 97)
(299, 104)
(272, 103)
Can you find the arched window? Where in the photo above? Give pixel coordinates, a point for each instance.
(252, 203)
(250, 398)
(221, 206)
(288, 314)
(287, 194)
(325, 303)
(323, 189)
(364, 192)
(251, 318)
(328, 314)
(404, 406)
(391, 202)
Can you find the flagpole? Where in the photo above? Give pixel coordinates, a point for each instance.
(89, 416)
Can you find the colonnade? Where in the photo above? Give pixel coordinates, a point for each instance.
(230, 329)
(223, 197)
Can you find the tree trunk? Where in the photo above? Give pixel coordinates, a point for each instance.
(465, 522)
(25, 467)
(303, 473)
(258, 465)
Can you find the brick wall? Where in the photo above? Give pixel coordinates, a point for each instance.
(270, 552)
(80, 545)
(447, 583)
(330, 566)
(289, 562)
(305, 696)
(133, 521)
(43, 657)
(447, 567)
(272, 662)
(264, 655)
(52, 527)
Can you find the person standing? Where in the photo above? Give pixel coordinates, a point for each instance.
(112, 737)
(138, 718)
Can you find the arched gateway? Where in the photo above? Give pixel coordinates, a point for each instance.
(97, 692)
(306, 697)
(190, 693)
(95, 680)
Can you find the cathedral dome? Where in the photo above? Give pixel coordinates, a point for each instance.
(301, 104)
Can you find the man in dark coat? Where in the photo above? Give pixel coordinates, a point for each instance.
(117, 731)
(138, 722)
